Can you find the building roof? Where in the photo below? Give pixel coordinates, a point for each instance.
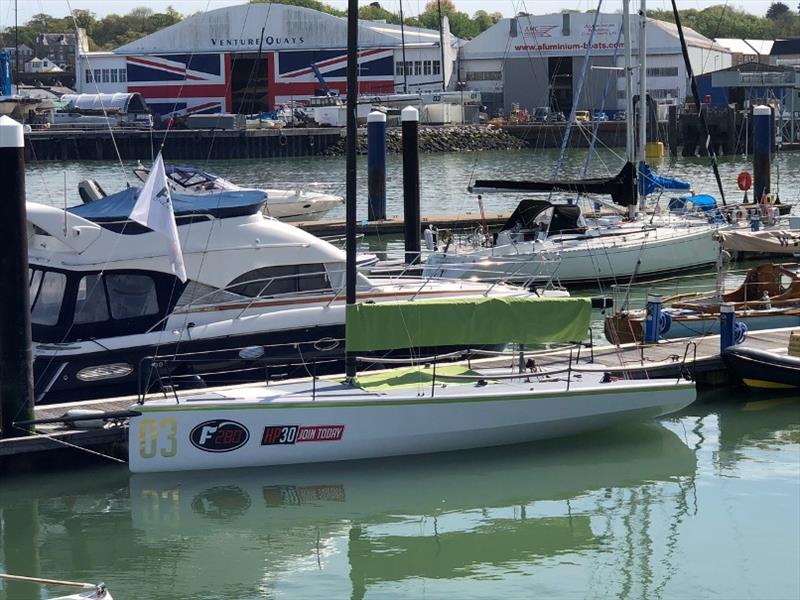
(784, 47)
(547, 35)
(746, 47)
(239, 29)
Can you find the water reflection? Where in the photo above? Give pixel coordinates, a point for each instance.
(616, 512)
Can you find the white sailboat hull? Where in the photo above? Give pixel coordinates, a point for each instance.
(659, 250)
(347, 424)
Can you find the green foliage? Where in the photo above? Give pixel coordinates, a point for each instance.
(106, 33)
(374, 12)
(725, 21)
(313, 4)
(777, 10)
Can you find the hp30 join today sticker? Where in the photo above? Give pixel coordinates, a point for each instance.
(292, 434)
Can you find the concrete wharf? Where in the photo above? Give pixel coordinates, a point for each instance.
(55, 444)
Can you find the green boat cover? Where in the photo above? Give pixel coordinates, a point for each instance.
(413, 377)
(466, 322)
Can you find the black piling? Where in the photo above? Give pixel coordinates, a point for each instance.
(411, 210)
(16, 355)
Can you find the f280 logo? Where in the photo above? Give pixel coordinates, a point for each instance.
(219, 436)
(291, 434)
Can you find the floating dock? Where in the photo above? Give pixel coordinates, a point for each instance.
(699, 357)
(395, 224)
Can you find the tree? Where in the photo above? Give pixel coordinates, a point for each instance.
(374, 12)
(312, 4)
(777, 10)
(485, 20)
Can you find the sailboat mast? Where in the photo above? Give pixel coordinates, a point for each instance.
(350, 179)
(640, 150)
(403, 47)
(441, 43)
(16, 42)
(628, 41)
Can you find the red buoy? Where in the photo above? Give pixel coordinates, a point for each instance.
(744, 181)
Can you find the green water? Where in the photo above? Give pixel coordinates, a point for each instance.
(703, 505)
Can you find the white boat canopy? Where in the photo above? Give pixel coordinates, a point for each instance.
(776, 242)
(110, 103)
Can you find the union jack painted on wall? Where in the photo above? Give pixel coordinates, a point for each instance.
(291, 75)
(200, 83)
(180, 83)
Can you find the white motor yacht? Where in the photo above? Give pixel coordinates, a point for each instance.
(107, 310)
(303, 203)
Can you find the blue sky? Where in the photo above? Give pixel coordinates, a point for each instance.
(410, 7)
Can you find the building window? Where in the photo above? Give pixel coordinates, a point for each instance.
(662, 93)
(565, 24)
(484, 75)
(409, 68)
(88, 75)
(437, 67)
(105, 75)
(662, 71)
(114, 75)
(398, 68)
(97, 76)
(123, 75)
(426, 67)
(417, 67)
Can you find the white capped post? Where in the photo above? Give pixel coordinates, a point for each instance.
(16, 355)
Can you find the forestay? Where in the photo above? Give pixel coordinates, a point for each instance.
(467, 322)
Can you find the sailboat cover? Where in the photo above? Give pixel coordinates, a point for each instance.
(118, 206)
(775, 242)
(621, 187)
(467, 322)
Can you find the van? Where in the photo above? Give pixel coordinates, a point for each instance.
(581, 116)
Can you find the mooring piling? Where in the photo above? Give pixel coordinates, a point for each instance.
(16, 353)
(376, 165)
(411, 207)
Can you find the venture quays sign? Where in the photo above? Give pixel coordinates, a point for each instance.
(254, 43)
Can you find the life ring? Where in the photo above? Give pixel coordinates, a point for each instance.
(744, 181)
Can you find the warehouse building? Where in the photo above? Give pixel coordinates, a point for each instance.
(254, 57)
(537, 60)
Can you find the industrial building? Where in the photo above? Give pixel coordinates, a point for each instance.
(537, 60)
(254, 57)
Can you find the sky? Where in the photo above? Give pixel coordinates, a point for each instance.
(59, 8)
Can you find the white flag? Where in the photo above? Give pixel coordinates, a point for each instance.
(153, 209)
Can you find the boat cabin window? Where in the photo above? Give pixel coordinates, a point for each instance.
(131, 296)
(91, 304)
(284, 279)
(47, 294)
(122, 295)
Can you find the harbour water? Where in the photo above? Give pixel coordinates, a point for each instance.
(702, 505)
(705, 504)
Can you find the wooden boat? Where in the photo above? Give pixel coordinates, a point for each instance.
(769, 297)
(765, 369)
(90, 591)
(406, 411)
